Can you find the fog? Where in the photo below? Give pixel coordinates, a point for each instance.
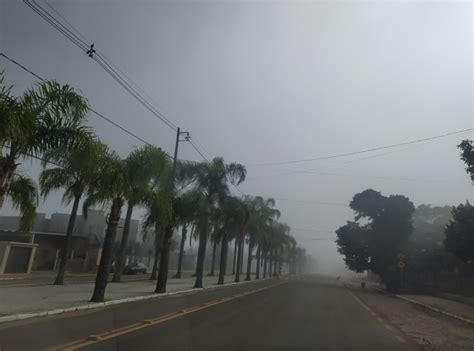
(264, 82)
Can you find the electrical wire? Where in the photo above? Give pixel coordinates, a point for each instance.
(362, 151)
(98, 114)
(100, 59)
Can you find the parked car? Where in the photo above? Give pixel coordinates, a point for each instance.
(134, 268)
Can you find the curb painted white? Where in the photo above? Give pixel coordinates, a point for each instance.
(96, 305)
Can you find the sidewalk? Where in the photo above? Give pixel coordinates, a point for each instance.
(28, 299)
(441, 305)
(451, 307)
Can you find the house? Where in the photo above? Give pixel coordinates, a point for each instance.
(49, 235)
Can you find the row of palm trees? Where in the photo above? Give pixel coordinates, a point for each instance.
(47, 122)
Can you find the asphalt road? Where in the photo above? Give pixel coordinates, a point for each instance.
(267, 315)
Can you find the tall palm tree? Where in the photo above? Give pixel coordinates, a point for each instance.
(185, 210)
(77, 169)
(44, 117)
(215, 236)
(212, 179)
(110, 189)
(262, 216)
(179, 174)
(235, 216)
(158, 205)
(144, 167)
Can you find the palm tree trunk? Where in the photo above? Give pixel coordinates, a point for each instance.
(181, 252)
(7, 170)
(280, 261)
(275, 261)
(270, 265)
(257, 271)
(264, 264)
(214, 249)
(223, 261)
(164, 261)
(154, 270)
(249, 261)
(242, 255)
(202, 251)
(235, 256)
(67, 243)
(107, 251)
(120, 258)
(239, 259)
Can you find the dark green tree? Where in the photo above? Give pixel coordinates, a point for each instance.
(377, 244)
(467, 155)
(460, 232)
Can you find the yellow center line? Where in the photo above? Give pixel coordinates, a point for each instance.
(96, 338)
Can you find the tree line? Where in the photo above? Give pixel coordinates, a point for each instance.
(48, 122)
(380, 238)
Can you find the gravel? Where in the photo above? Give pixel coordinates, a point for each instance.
(428, 329)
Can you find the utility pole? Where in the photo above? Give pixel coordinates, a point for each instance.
(165, 247)
(175, 158)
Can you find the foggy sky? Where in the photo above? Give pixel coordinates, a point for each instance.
(259, 82)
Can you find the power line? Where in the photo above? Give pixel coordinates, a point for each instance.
(303, 201)
(363, 151)
(291, 172)
(197, 150)
(310, 239)
(90, 109)
(99, 59)
(312, 230)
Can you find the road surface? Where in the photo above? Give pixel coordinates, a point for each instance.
(266, 315)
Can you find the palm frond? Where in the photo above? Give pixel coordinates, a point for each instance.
(24, 196)
(54, 179)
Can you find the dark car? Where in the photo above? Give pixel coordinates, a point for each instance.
(134, 268)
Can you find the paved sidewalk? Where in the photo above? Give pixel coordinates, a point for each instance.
(29, 299)
(452, 307)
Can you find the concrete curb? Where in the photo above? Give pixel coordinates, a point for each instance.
(423, 305)
(96, 305)
(434, 309)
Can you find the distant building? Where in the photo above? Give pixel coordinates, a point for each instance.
(49, 234)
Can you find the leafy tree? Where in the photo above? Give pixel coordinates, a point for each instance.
(212, 180)
(77, 169)
(375, 245)
(467, 155)
(144, 167)
(109, 189)
(460, 232)
(44, 117)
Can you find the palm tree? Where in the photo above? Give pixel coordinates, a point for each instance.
(235, 216)
(145, 167)
(215, 237)
(180, 173)
(262, 216)
(77, 169)
(109, 189)
(158, 217)
(185, 210)
(211, 178)
(44, 117)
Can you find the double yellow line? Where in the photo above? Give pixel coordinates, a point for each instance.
(96, 338)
